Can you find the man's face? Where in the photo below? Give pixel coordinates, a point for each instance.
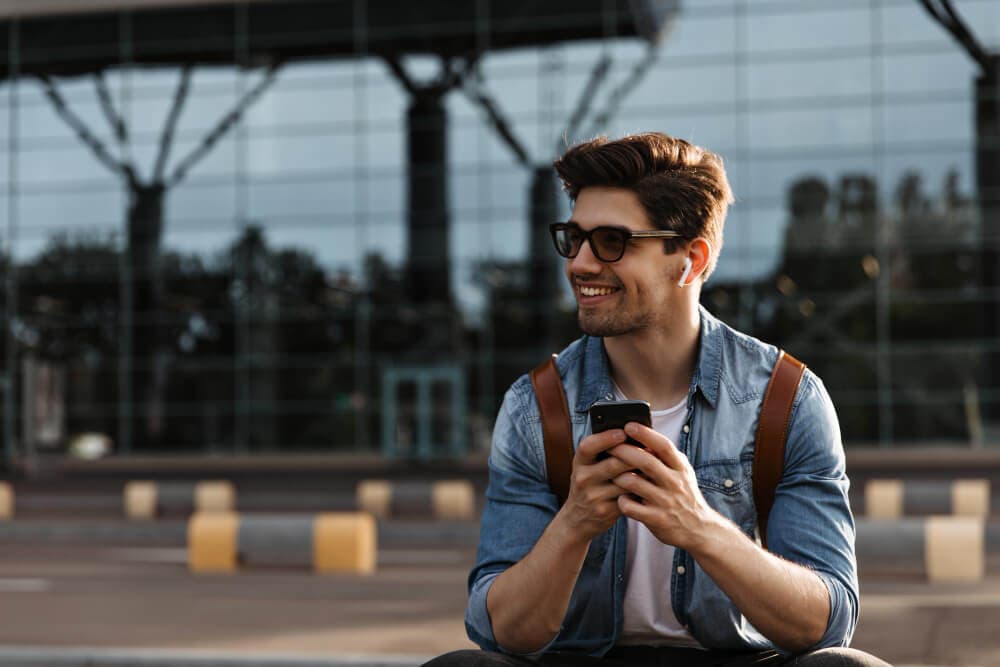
(636, 292)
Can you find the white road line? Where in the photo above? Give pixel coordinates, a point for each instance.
(423, 557)
(79, 656)
(178, 556)
(882, 602)
(151, 555)
(24, 585)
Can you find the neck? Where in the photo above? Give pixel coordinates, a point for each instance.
(656, 363)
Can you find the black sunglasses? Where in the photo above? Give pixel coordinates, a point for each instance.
(607, 243)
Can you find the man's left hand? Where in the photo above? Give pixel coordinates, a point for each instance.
(666, 497)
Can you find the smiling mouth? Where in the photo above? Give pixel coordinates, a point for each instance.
(596, 291)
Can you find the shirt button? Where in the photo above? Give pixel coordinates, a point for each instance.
(681, 569)
(728, 484)
(687, 429)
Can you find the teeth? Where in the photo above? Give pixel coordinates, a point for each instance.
(595, 291)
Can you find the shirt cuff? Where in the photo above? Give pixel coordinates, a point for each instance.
(843, 614)
(480, 627)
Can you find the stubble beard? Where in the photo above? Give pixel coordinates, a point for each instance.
(607, 325)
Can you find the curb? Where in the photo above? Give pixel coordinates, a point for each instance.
(895, 498)
(392, 533)
(101, 532)
(84, 656)
(25, 656)
(37, 505)
(941, 548)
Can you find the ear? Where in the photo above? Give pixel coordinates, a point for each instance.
(700, 253)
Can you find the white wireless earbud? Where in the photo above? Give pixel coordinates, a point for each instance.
(686, 274)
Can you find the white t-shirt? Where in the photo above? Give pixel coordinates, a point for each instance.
(649, 616)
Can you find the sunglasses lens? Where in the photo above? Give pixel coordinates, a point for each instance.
(568, 240)
(609, 244)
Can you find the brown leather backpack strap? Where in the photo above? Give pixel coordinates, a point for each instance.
(557, 430)
(772, 431)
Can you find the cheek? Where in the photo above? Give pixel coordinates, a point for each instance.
(664, 281)
(651, 285)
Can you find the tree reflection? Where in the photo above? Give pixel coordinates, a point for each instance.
(147, 351)
(846, 300)
(268, 349)
(286, 373)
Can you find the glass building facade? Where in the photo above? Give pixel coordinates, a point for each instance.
(233, 228)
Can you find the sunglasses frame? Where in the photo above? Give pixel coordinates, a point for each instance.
(588, 236)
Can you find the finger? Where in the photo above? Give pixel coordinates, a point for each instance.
(595, 443)
(638, 485)
(609, 491)
(636, 509)
(612, 466)
(601, 472)
(637, 458)
(599, 493)
(657, 443)
(590, 475)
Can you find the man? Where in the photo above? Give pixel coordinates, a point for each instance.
(653, 558)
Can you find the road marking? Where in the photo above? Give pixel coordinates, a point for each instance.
(223, 655)
(165, 555)
(881, 602)
(24, 585)
(385, 556)
(423, 557)
(178, 556)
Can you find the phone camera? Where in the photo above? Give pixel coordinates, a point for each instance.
(599, 418)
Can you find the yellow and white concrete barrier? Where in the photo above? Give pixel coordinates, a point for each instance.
(145, 499)
(345, 542)
(939, 548)
(220, 542)
(212, 539)
(443, 499)
(954, 549)
(893, 498)
(375, 496)
(970, 497)
(6, 501)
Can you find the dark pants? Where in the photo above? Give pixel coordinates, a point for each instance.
(641, 656)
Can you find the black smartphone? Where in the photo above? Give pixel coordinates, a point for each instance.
(606, 415)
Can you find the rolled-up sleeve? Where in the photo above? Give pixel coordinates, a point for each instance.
(811, 521)
(519, 505)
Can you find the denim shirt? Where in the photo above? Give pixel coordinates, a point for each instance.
(810, 522)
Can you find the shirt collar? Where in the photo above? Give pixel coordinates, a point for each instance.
(597, 386)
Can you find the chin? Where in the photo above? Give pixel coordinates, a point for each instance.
(603, 329)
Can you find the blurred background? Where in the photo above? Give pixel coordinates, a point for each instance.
(299, 245)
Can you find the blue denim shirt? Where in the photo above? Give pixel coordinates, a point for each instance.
(810, 523)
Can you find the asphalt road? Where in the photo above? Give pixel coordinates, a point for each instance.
(74, 574)
(142, 597)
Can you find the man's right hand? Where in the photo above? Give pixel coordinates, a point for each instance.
(592, 506)
(528, 601)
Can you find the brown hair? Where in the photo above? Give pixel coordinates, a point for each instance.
(681, 186)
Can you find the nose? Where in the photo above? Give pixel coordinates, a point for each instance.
(586, 261)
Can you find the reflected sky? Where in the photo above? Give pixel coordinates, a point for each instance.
(782, 90)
